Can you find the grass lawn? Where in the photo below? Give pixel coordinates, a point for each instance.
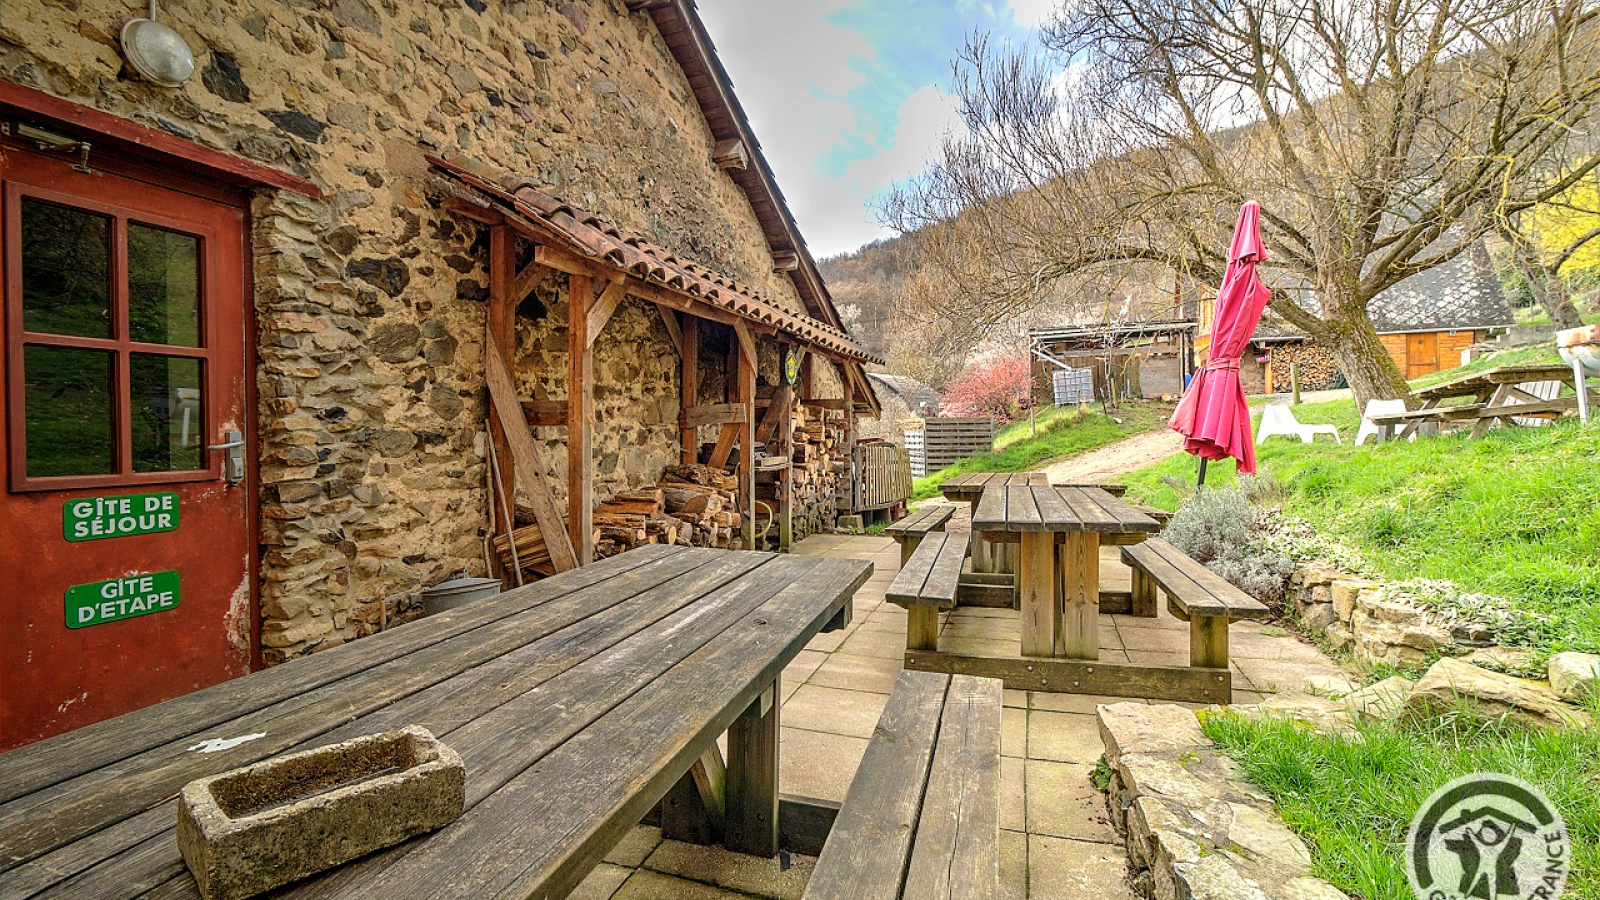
(1512, 514)
(1352, 799)
(1057, 432)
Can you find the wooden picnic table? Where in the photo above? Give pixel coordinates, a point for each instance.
(577, 703)
(1059, 531)
(1494, 395)
(1037, 517)
(968, 488)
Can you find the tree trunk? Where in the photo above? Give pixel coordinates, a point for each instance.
(1550, 291)
(1371, 371)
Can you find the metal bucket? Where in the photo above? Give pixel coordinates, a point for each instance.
(457, 592)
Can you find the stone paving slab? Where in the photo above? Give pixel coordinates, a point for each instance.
(1056, 841)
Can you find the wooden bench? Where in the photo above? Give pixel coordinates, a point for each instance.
(927, 585)
(910, 530)
(922, 817)
(1195, 595)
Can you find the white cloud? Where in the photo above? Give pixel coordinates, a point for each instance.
(924, 120)
(1032, 13)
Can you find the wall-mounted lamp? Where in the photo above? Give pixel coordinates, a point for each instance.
(157, 52)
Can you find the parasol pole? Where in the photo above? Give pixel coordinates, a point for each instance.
(1200, 482)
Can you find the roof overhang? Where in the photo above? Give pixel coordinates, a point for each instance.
(691, 46)
(573, 239)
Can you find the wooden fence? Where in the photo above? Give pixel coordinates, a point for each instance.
(882, 476)
(944, 442)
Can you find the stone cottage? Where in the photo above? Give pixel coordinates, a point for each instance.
(268, 321)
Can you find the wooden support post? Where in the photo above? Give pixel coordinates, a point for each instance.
(580, 419)
(783, 435)
(499, 331)
(982, 550)
(1143, 601)
(747, 434)
(693, 811)
(922, 627)
(1208, 641)
(1036, 589)
(752, 790)
(1079, 636)
(689, 387)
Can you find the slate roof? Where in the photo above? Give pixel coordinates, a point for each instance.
(1460, 295)
(910, 391)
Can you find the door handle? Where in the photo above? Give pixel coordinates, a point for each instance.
(233, 443)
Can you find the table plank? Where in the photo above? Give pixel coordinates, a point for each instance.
(1086, 515)
(1022, 511)
(990, 514)
(957, 851)
(56, 759)
(1129, 518)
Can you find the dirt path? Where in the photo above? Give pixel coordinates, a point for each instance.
(1124, 456)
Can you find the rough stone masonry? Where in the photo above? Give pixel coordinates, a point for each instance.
(369, 302)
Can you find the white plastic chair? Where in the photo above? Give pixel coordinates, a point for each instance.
(1276, 418)
(1544, 390)
(1379, 408)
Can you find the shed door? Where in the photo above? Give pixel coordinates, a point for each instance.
(125, 532)
(1422, 354)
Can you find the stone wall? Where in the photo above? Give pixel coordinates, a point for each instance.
(1195, 828)
(370, 302)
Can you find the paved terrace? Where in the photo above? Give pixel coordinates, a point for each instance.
(1055, 842)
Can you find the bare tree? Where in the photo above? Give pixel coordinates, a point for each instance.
(1381, 137)
(1539, 251)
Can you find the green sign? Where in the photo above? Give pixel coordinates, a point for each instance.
(94, 518)
(121, 598)
(791, 367)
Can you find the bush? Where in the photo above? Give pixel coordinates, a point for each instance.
(1218, 527)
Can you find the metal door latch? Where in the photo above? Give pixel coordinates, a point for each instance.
(233, 443)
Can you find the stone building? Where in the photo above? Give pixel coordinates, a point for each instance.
(901, 398)
(266, 298)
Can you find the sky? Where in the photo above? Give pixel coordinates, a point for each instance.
(849, 97)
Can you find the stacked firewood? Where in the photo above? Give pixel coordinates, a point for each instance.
(820, 472)
(1313, 362)
(692, 506)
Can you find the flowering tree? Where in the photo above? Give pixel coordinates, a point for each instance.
(1000, 388)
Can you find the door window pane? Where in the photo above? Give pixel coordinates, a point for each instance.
(66, 267)
(67, 398)
(167, 412)
(163, 286)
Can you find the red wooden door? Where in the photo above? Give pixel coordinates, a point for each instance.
(125, 530)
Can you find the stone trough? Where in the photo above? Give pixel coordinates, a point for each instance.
(253, 829)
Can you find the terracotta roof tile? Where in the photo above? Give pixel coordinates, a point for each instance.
(601, 241)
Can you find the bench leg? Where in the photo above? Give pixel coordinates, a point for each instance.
(752, 787)
(908, 546)
(1036, 590)
(1079, 637)
(1143, 603)
(922, 627)
(1208, 642)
